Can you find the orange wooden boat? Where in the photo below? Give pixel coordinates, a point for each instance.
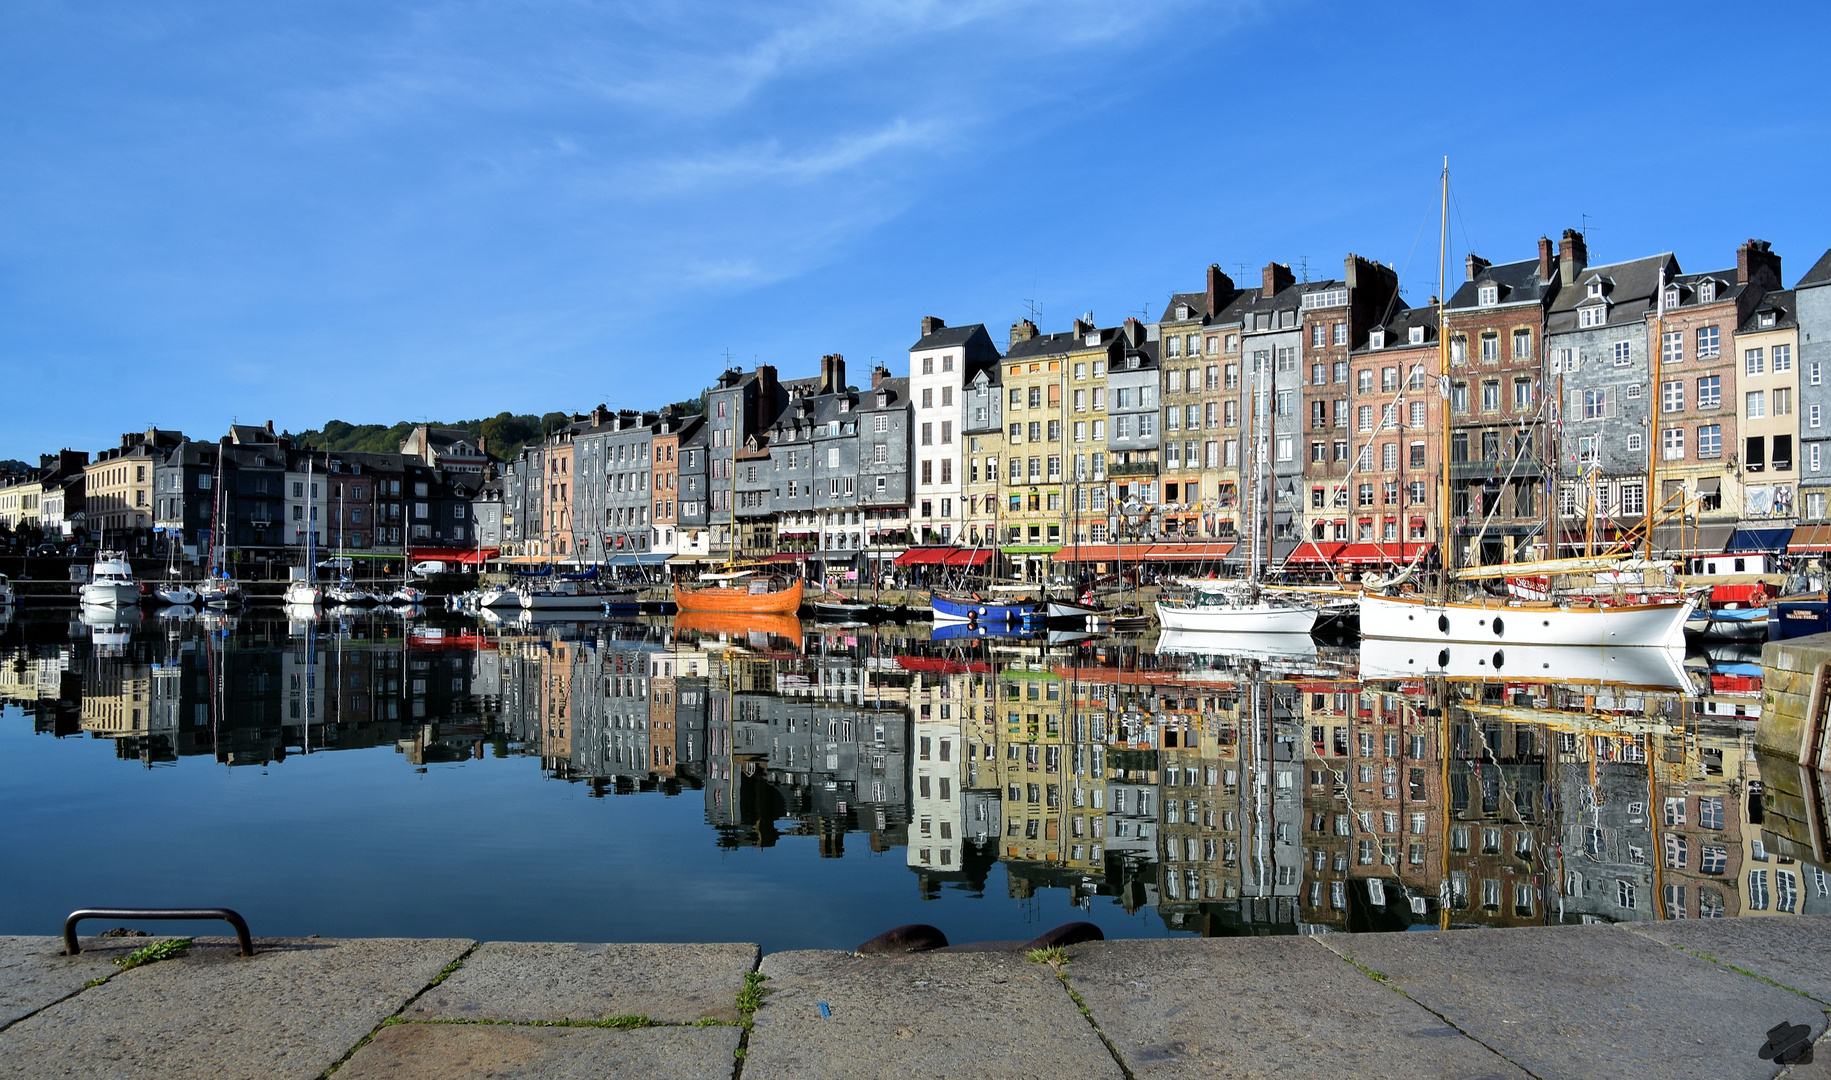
(787, 627)
(740, 598)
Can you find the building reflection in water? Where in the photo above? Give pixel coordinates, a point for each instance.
(1266, 789)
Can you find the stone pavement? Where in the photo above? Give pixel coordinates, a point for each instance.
(1662, 999)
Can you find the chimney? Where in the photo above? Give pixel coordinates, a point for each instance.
(1756, 259)
(1022, 330)
(1572, 257)
(1220, 289)
(597, 416)
(832, 374)
(878, 375)
(270, 427)
(930, 324)
(1277, 278)
(1475, 264)
(1546, 266)
(483, 445)
(1082, 327)
(1134, 332)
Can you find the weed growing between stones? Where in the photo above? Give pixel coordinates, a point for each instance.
(1055, 956)
(152, 954)
(749, 999)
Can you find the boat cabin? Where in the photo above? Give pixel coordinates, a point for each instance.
(1724, 565)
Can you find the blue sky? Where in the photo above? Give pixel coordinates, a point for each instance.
(377, 212)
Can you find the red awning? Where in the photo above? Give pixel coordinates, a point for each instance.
(783, 556)
(1809, 540)
(1318, 553)
(944, 556)
(463, 556)
(1393, 554)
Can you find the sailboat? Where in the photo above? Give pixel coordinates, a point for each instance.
(1567, 619)
(304, 591)
(218, 589)
(172, 592)
(1227, 607)
(737, 591)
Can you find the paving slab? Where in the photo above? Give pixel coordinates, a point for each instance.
(35, 973)
(1793, 951)
(291, 1010)
(1263, 1007)
(530, 981)
(921, 1015)
(1592, 1001)
(454, 1051)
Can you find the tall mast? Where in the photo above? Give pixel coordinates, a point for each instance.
(1653, 407)
(1444, 518)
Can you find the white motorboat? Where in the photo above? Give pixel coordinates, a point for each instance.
(176, 594)
(406, 596)
(573, 596)
(347, 594)
(503, 596)
(110, 626)
(1245, 617)
(1501, 622)
(111, 582)
(303, 594)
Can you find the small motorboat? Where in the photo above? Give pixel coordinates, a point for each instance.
(111, 583)
(948, 608)
(176, 594)
(845, 611)
(219, 592)
(406, 596)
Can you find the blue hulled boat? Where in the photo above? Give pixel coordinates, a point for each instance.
(972, 609)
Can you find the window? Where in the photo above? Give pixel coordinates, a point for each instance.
(1595, 404)
(1753, 361)
(1522, 397)
(1594, 315)
(1710, 812)
(1712, 859)
(1813, 416)
(1490, 347)
(1783, 358)
(1757, 890)
(1708, 342)
(1710, 441)
(1814, 373)
(1341, 333)
(1317, 333)
(1488, 295)
(1459, 397)
(1365, 417)
(1624, 353)
(1625, 894)
(1389, 456)
(1755, 404)
(1633, 499)
(1710, 392)
(1672, 444)
(1672, 396)
(1672, 347)
(1490, 395)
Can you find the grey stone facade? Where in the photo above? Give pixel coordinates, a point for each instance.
(1812, 299)
(615, 462)
(1271, 360)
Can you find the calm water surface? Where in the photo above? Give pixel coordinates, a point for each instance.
(806, 786)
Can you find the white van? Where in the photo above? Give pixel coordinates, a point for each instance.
(430, 567)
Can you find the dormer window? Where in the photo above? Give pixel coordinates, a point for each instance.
(1417, 335)
(1593, 315)
(1765, 319)
(1377, 339)
(1182, 311)
(1595, 289)
(1706, 291)
(1488, 295)
(1672, 296)
(1093, 337)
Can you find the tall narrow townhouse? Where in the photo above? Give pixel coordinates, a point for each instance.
(1336, 317)
(1812, 299)
(1596, 333)
(937, 838)
(1132, 440)
(940, 364)
(1702, 401)
(884, 449)
(1768, 341)
(1200, 360)
(739, 406)
(1271, 341)
(985, 441)
(1055, 415)
(1498, 442)
(1383, 513)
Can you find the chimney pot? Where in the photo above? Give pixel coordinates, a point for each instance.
(1573, 256)
(1276, 278)
(930, 324)
(1220, 289)
(1022, 330)
(1475, 265)
(1546, 266)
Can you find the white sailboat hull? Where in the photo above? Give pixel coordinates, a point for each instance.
(1238, 618)
(1658, 666)
(1500, 623)
(303, 594)
(575, 601)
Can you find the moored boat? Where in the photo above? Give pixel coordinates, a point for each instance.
(740, 593)
(972, 609)
(575, 596)
(111, 582)
(1499, 622)
(7, 597)
(176, 594)
(1246, 617)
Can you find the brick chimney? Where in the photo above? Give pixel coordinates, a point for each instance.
(1277, 278)
(930, 324)
(1082, 327)
(1755, 260)
(1475, 264)
(1220, 289)
(1022, 330)
(1134, 332)
(597, 416)
(270, 427)
(833, 373)
(1546, 266)
(1572, 257)
(878, 375)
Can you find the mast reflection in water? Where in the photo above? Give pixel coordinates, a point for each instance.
(993, 786)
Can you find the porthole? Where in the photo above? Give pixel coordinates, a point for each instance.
(1443, 623)
(1499, 659)
(1499, 627)
(1443, 658)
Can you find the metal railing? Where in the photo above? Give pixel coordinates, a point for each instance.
(232, 918)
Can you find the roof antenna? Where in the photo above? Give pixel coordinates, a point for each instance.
(1036, 309)
(1303, 265)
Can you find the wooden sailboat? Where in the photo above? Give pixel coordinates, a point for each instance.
(739, 591)
(1590, 620)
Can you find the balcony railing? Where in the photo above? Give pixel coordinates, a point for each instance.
(1518, 468)
(1132, 468)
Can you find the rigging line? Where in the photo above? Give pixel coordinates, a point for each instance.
(1467, 234)
(1392, 305)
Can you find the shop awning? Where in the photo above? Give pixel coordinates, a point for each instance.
(1810, 539)
(1772, 541)
(944, 556)
(464, 556)
(1320, 553)
(1098, 553)
(625, 559)
(1395, 554)
(689, 560)
(1032, 549)
(1692, 539)
(783, 556)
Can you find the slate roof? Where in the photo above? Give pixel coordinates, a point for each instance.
(1062, 343)
(1519, 282)
(1398, 330)
(1779, 303)
(1728, 288)
(898, 386)
(1630, 294)
(1820, 274)
(950, 335)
